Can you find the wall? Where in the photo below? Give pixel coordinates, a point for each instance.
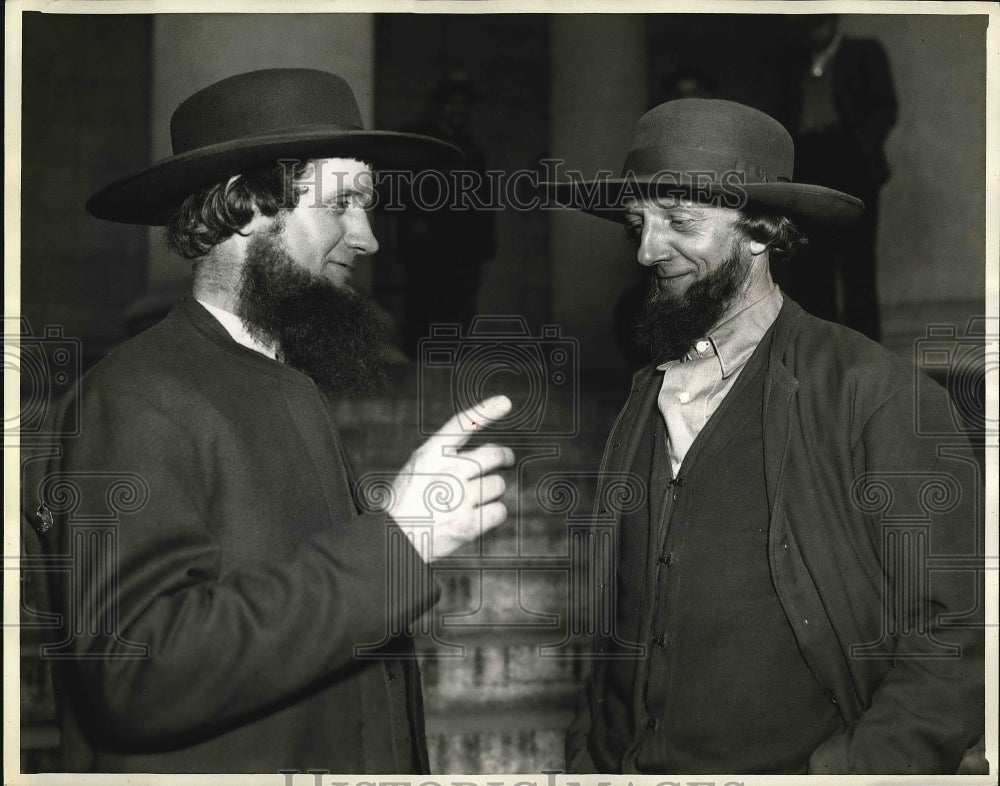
(85, 120)
(931, 242)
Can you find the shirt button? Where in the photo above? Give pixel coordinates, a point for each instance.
(684, 397)
(702, 346)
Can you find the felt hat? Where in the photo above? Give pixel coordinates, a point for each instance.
(712, 151)
(251, 120)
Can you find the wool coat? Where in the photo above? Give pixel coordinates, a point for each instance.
(230, 609)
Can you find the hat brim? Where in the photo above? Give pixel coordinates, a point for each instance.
(152, 195)
(606, 198)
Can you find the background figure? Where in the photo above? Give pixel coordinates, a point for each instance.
(687, 81)
(444, 247)
(837, 99)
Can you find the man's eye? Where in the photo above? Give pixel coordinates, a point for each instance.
(680, 223)
(633, 231)
(339, 205)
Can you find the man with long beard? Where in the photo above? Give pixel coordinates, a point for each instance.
(770, 615)
(248, 613)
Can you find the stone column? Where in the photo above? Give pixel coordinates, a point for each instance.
(599, 90)
(190, 51)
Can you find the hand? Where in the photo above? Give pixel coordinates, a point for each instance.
(455, 491)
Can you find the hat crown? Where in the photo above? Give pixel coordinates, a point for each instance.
(262, 103)
(712, 135)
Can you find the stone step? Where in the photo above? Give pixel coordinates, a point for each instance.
(497, 742)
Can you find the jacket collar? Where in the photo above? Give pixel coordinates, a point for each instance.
(779, 389)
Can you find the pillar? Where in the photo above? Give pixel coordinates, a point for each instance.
(598, 92)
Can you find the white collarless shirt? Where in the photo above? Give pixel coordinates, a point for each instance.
(236, 328)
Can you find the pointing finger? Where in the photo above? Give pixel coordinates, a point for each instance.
(458, 429)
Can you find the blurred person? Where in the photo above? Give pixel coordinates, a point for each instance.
(222, 633)
(836, 96)
(444, 246)
(688, 81)
(765, 617)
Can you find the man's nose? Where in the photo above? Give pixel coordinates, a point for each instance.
(652, 249)
(359, 234)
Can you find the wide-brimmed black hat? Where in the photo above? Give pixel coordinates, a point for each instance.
(252, 120)
(719, 152)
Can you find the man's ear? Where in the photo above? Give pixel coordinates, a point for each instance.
(757, 248)
(256, 220)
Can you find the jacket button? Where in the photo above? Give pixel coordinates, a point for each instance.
(653, 724)
(660, 640)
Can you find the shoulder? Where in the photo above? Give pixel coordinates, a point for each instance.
(162, 355)
(845, 372)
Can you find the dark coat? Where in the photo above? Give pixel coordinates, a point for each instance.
(863, 95)
(850, 453)
(220, 629)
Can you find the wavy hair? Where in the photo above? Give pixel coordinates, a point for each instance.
(212, 215)
(778, 233)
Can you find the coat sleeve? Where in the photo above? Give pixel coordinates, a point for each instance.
(929, 708)
(168, 645)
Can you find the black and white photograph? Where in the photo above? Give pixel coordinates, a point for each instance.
(456, 393)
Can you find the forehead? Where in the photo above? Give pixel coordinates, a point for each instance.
(666, 204)
(338, 176)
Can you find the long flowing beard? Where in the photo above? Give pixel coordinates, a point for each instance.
(329, 333)
(668, 326)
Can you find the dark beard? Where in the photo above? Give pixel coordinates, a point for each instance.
(669, 326)
(329, 333)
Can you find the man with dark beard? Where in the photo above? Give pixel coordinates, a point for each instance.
(246, 612)
(766, 618)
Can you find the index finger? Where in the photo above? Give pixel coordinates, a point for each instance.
(460, 427)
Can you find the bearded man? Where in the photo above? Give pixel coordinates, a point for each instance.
(245, 618)
(770, 613)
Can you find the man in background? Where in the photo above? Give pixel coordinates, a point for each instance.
(444, 246)
(836, 96)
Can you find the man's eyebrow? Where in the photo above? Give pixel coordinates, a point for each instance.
(350, 191)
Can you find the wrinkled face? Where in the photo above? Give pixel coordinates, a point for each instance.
(682, 242)
(328, 230)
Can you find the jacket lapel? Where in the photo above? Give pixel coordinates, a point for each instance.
(779, 389)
